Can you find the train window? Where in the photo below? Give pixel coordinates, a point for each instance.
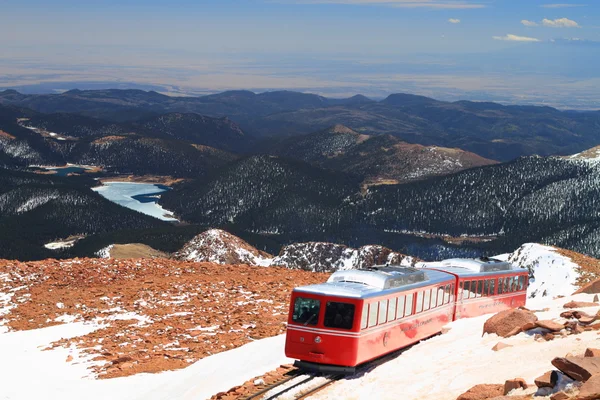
(373, 314)
(408, 307)
(433, 298)
(339, 315)
(479, 291)
(500, 286)
(365, 316)
(306, 311)
(383, 308)
(461, 293)
(426, 299)
(400, 312)
(440, 296)
(447, 294)
(492, 290)
(506, 285)
(521, 282)
(452, 293)
(392, 309)
(515, 283)
(419, 307)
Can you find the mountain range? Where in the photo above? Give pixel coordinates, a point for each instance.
(491, 130)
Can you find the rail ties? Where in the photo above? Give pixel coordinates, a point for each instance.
(303, 379)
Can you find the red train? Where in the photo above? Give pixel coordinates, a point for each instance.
(360, 315)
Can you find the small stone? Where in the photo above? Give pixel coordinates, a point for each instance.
(482, 392)
(590, 390)
(580, 304)
(595, 300)
(499, 346)
(512, 384)
(69, 358)
(548, 380)
(559, 396)
(550, 325)
(591, 352)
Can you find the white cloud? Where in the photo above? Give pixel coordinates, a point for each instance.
(515, 38)
(439, 4)
(560, 23)
(529, 23)
(562, 5)
(454, 21)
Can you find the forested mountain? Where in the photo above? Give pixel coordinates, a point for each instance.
(36, 209)
(551, 200)
(265, 194)
(375, 159)
(491, 130)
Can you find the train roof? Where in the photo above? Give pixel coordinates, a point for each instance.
(364, 283)
(475, 267)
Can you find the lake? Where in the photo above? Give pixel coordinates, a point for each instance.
(142, 197)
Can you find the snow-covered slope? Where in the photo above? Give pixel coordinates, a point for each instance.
(551, 273)
(222, 247)
(327, 257)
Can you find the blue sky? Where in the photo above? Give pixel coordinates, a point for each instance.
(331, 46)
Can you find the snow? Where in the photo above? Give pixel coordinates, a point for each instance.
(62, 244)
(122, 193)
(24, 362)
(445, 366)
(105, 251)
(553, 274)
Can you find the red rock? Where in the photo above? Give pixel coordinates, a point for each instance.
(512, 384)
(499, 346)
(482, 392)
(559, 396)
(578, 368)
(590, 390)
(509, 322)
(69, 358)
(592, 287)
(567, 314)
(521, 397)
(580, 304)
(550, 325)
(549, 379)
(590, 352)
(588, 319)
(528, 326)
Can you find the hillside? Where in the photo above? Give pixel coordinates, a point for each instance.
(37, 209)
(491, 130)
(106, 318)
(376, 159)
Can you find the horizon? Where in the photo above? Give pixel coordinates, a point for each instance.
(541, 52)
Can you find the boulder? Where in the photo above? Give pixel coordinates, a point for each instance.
(499, 346)
(590, 390)
(560, 396)
(592, 287)
(509, 322)
(580, 304)
(549, 325)
(482, 392)
(512, 384)
(591, 352)
(548, 380)
(578, 368)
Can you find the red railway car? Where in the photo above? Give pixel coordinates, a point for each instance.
(360, 315)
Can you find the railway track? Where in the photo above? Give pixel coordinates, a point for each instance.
(292, 381)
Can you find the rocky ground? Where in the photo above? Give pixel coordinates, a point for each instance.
(153, 315)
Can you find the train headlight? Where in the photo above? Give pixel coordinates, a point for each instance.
(318, 339)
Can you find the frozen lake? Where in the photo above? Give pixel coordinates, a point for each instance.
(142, 197)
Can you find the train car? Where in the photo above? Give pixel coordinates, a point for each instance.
(360, 315)
(486, 285)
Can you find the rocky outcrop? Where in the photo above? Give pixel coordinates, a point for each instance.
(512, 384)
(509, 322)
(580, 304)
(590, 390)
(548, 380)
(222, 247)
(327, 257)
(578, 368)
(482, 392)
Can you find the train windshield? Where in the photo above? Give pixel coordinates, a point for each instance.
(339, 315)
(306, 311)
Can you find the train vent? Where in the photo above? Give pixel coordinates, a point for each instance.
(483, 264)
(381, 277)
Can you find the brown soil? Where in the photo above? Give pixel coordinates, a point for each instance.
(590, 267)
(6, 135)
(162, 180)
(159, 314)
(135, 250)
